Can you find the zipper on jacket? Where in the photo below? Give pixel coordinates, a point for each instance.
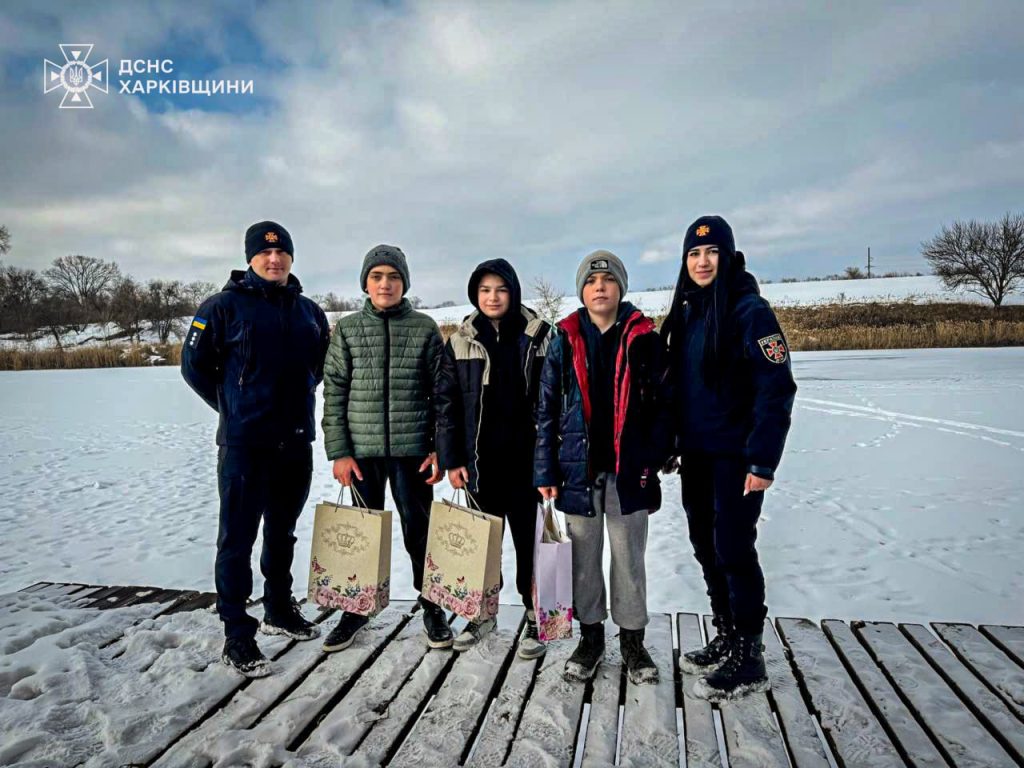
(245, 355)
(387, 387)
(480, 421)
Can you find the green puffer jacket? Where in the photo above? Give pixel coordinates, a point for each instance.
(380, 379)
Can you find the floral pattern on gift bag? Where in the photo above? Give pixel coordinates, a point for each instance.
(552, 577)
(462, 568)
(352, 596)
(456, 597)
(350, 561)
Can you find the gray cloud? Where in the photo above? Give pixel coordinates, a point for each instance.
(534, 132)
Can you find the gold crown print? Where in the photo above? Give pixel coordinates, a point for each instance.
(456, 540)
(703, 230)
(271, 237)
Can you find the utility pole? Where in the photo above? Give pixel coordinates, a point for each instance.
(869, 262)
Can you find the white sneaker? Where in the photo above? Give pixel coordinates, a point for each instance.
(530, 645)
(473, 634)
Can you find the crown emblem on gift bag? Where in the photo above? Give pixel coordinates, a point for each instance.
(456, 539)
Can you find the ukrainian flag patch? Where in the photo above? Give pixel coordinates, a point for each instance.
(199, 323)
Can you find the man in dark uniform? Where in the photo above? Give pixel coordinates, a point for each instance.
(255, 354)
(733, 395)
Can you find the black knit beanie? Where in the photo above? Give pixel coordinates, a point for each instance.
(709, 230)
(264, 235)
(385, 255)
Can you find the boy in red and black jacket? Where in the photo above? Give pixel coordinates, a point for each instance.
(600, 443)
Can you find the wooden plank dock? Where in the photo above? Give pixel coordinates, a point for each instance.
(845, 694)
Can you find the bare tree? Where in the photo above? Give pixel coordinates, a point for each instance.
(5, 240)
(128, 307)
(21, 292)
(851, 273)
(58, 316)
(196, 292)
(984, 258)
(331, 302)
(83, 279)
(548, 300)
(165, 307)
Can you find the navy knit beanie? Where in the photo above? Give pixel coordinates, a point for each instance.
(709, 230)
(265, 235)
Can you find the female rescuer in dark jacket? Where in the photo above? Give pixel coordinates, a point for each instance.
(491, 376)
(733, 393)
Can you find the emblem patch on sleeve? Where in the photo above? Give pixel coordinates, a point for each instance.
(774, 348)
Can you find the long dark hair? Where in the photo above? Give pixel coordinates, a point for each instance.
(717, 302)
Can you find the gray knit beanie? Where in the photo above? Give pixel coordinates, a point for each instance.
(385, 255)
(602, 261)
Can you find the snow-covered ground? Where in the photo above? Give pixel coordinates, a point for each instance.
(900, 497)
(919, 290)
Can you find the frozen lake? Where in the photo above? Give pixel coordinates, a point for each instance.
(901, 495)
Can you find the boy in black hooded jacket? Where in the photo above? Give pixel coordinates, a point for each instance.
(486, 440)
(733, 392)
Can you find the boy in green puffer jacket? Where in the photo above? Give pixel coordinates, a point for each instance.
(381, 405)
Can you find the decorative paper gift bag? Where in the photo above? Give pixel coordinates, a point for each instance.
(350, 562)
(463, 564)
(552, 577)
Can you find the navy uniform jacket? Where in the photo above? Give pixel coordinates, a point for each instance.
(748, 413)
(255, 353)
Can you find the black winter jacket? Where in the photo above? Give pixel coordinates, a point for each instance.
(468, 375)
(255, 353)
(562, 457)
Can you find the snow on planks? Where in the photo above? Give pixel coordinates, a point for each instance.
(883, 695)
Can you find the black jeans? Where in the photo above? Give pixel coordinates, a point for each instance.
(412, 496)
(723, 531)
(517, 506)
(268, 483)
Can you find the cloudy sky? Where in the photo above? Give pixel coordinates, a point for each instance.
(532, 131)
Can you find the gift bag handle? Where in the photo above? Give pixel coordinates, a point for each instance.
(549, 508)
(471, 503)
(357, 498)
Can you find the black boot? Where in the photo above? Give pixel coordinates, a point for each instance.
(711, 656)
(582, 665)
(741, 674)
(635, 658)
(242, 654)
(435, 625)
(344, 634)
(289, 621)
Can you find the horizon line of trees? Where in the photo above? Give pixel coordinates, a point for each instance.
(981, 257)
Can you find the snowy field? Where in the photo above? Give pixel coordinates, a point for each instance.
(901, 496)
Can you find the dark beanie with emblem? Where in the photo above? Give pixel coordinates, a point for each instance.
(264, 235)
(709, 230)
(385, 256)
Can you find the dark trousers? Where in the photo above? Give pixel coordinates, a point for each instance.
(517, 506)
(412, 496)
(723, 531)
(269, 484)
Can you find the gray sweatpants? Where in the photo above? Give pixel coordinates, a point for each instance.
(627, 537)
